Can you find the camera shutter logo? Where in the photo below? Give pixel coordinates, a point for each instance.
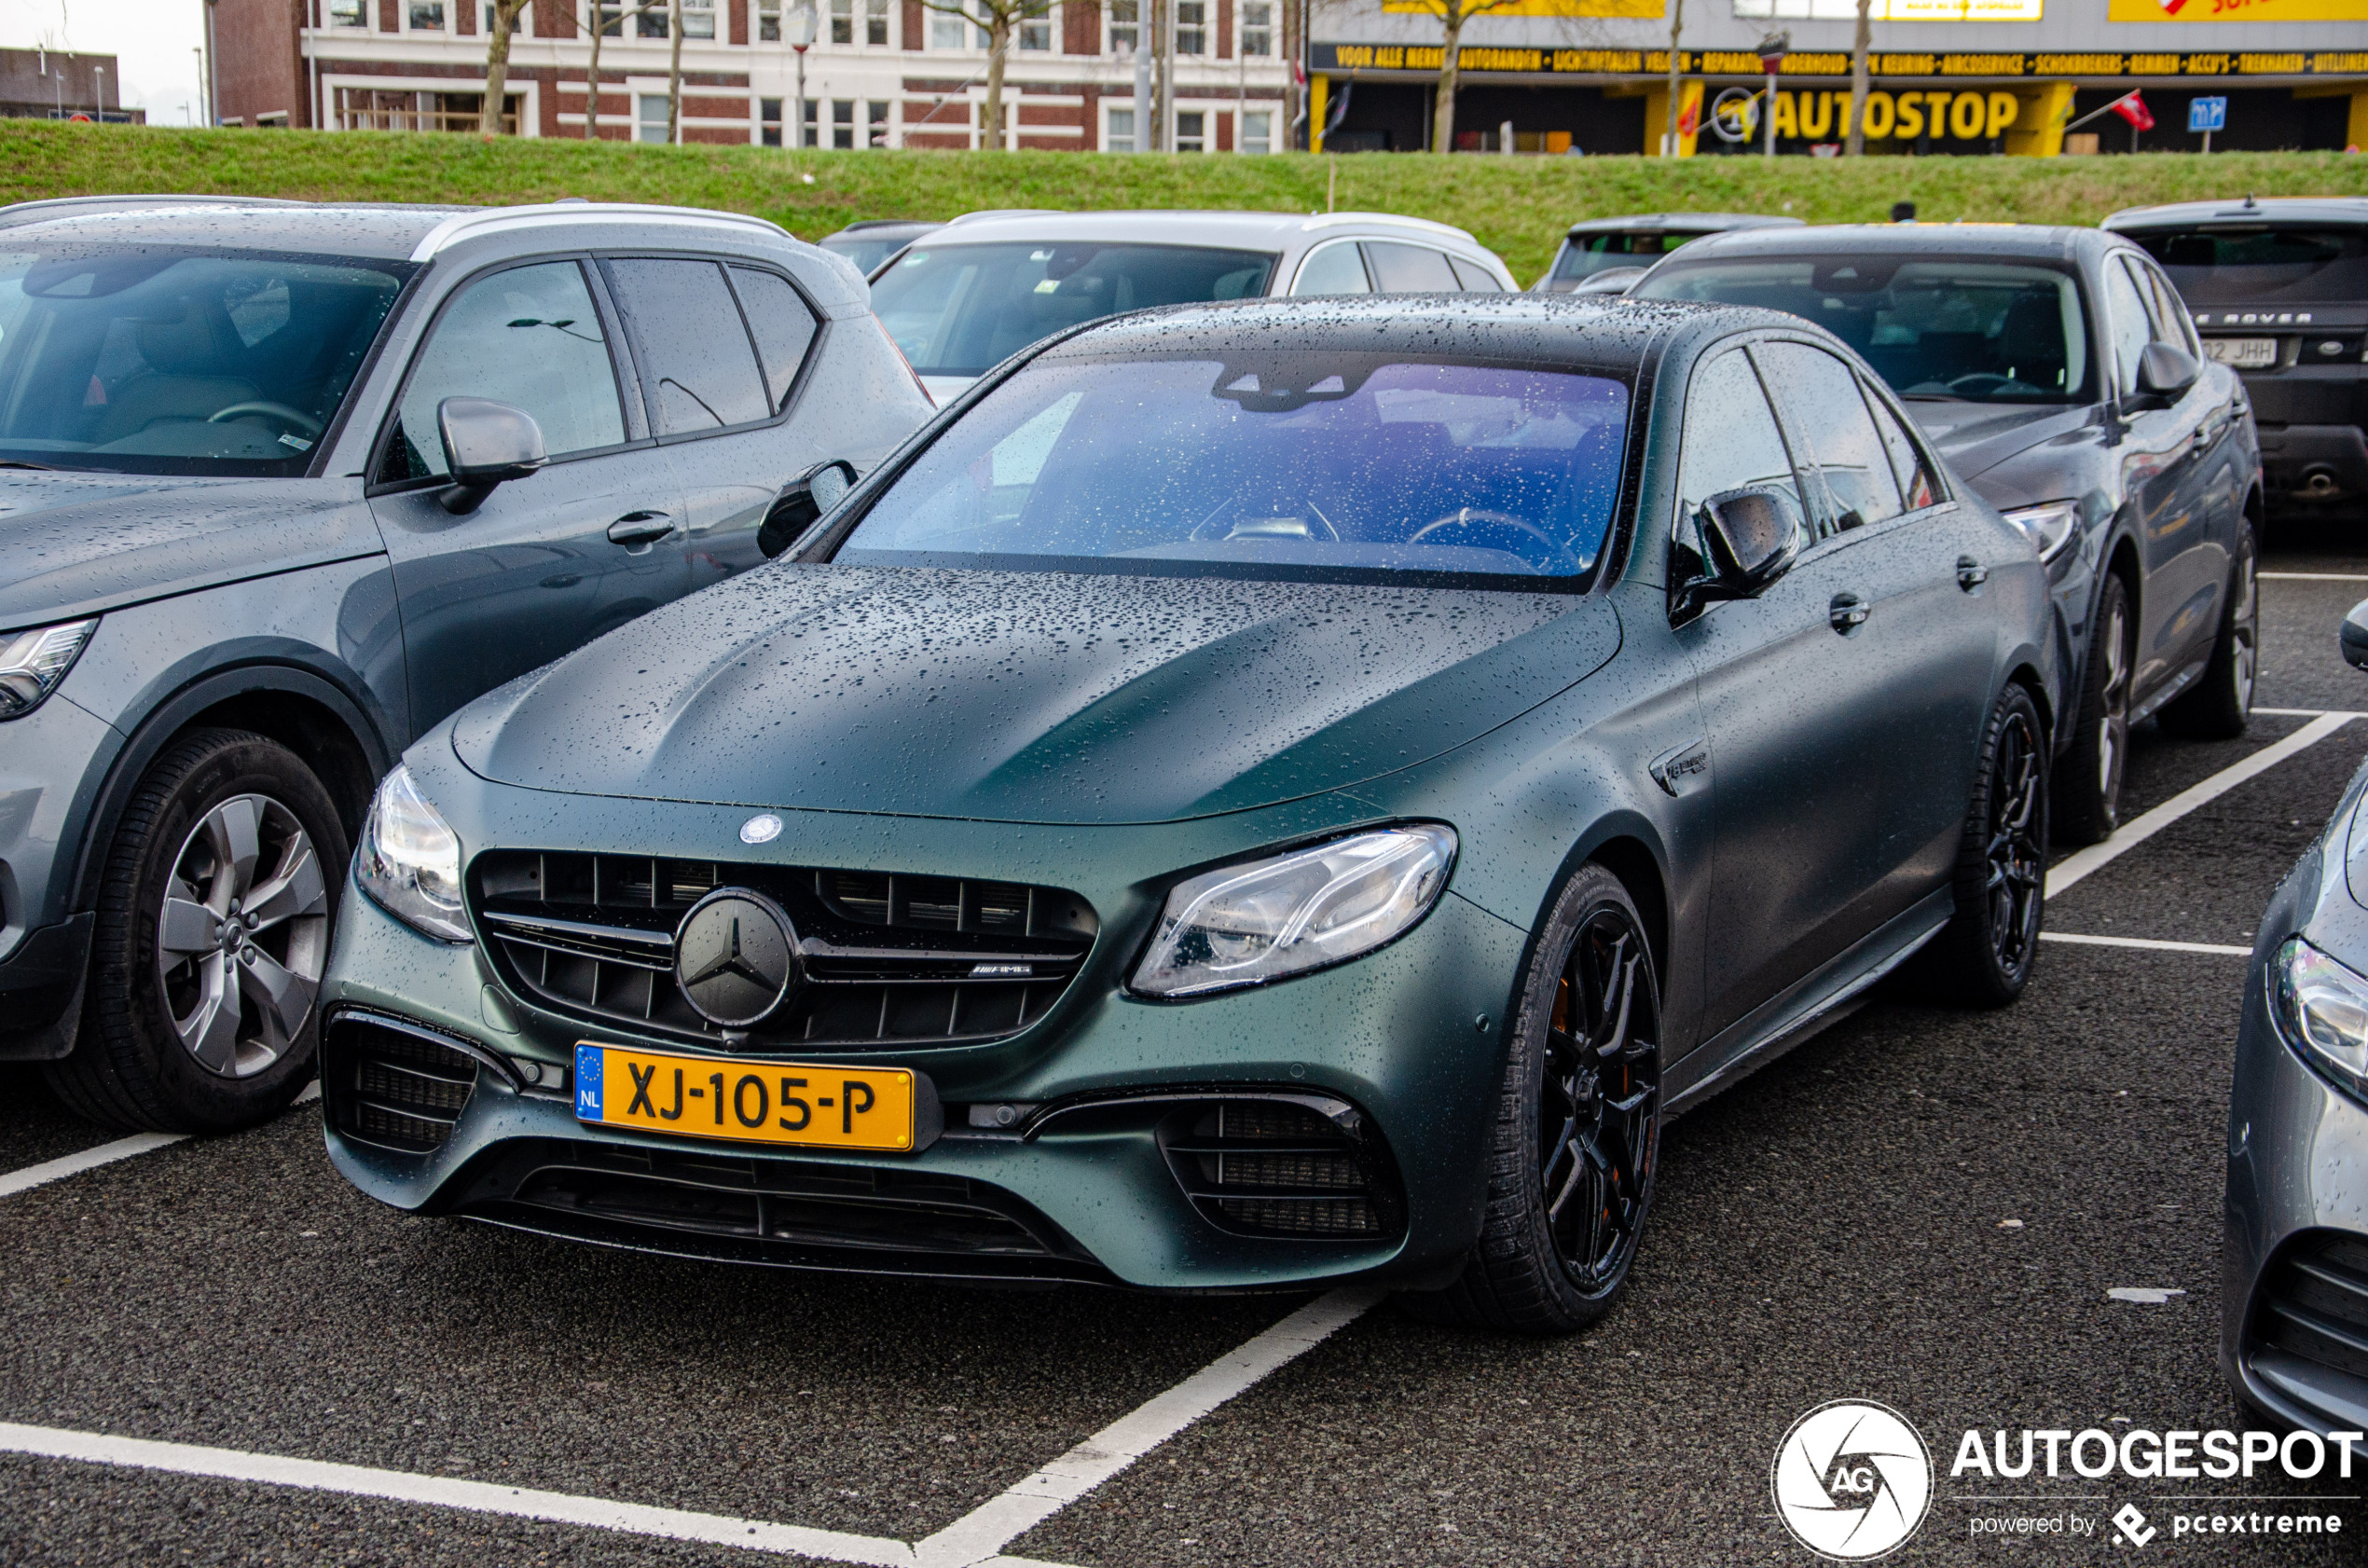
(1852, 1480)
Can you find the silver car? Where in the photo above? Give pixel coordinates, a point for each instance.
(965, 300)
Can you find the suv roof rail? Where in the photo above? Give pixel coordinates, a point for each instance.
(1335, 220)
(493, 220)
(46, 207)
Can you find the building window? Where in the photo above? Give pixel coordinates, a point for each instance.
(1192, 26)
(1257, 28)
(1036, 32)
(807, 109)
(769, 22)
(843, 122)
(1258, 130)
(875, 125)
(945, 31)
(649, 117)
(768, 118)
(650, 22)
(347, 13)
(698, 19)
(842, 21)
(875, 22)
(1123, 25)
(427, 16)
(1191, 135)
(521, 26)
(1119, 133)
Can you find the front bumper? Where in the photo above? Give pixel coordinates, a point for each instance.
(1090, 1193)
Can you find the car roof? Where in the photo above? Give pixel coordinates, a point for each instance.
(881, 228)
(362, 230)
(1681, 222)
(2004, 241)
(2273, 209)
(1249, 231)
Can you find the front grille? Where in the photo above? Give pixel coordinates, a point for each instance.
(1299, 1167)
(394, 1084)
(889, 958)
(2314, 1303)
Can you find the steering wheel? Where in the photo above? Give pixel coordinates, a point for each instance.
(1990, 384)
(295, 419)
(1466, 517)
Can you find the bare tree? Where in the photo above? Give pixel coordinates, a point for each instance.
(497, 65)
(1857, 137)
(1676, 31)
(1452, 15)
(674, 77)
(599, 30)
(1001, 18)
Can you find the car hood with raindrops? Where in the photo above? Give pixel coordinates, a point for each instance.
(1032, 696)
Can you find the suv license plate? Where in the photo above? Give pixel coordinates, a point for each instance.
(807, 1103)
(2244, 353)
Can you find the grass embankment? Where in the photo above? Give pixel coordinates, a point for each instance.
(1518, 206)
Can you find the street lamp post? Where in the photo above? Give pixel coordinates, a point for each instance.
(1772, 59)
(803, 24)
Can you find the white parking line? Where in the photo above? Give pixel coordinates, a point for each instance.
(2073, 868)
(108, 1153)
(2312, 577)
(976, 1540)
(2147, 943)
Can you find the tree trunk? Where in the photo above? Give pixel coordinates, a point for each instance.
(592, 77)
(1450, 66)
(999, 43)
(1676, 87)
(497, 65)
(674, 76)
(1856, 135)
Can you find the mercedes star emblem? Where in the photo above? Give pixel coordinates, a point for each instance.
(763, 828)
(736, 957)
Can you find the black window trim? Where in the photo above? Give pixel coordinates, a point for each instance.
(822, 324)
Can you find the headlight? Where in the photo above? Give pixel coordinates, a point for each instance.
(32, 663)
(2321, 1007)
(1244, 925)
(2050, 525)
(410, 861)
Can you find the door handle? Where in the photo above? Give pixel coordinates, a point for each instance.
(1848, 613)
(1970, 573)
(641, 527)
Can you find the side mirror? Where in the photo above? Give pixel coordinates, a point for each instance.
(1752, 535)
(2164, 374)
(2354, 636)
(1611, 280)
(484, 444)
(801, 502)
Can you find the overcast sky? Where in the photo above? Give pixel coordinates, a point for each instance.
(152, 39)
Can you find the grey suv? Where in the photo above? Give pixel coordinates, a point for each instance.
(280, 485)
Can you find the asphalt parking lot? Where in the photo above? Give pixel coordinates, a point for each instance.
(1837, 1226)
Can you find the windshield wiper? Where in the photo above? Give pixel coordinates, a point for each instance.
(1932, 397)
(19, 462)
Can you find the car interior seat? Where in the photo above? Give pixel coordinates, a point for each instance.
(189, 372)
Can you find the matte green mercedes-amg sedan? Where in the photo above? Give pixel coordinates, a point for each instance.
(1251, 796)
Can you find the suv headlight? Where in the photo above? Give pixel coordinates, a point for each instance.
(32, 663)
(410, 861)
(1261, 920)
(2050, 525)
(2321, 1007)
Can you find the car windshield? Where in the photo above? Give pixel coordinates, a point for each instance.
(1586, 254)
(1273, 461)
(144, 359)
(2263, 266)
(1980, 330)
(867, 248)
(962, 310)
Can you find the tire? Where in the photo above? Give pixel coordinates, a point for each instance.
(193, 1023)
(2088, 782)
(2221, 705)
(1983, 956)
(1543, 1265)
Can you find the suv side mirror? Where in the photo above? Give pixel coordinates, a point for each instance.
(2163, 375)
(1753, 535)
(801, 502)
(484, 444)
(2354, 636)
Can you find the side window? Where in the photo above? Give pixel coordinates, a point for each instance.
(1907, 465)
(1409, 268)
(1333, 269)
(2173, 324)
(783, 323)
(1830, 412)
(1730, 440)
(698, 371)
(529, 336)
(1475, 278)
(2126, 323)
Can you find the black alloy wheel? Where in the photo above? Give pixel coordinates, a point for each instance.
(2087, 806)
(2221, 704)
(1577, 1141)
(1985, 954)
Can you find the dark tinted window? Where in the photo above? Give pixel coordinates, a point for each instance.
(1475, 278)
(154, 359)
(527, 336)
(961, 309)
(1907, 464)
(783, 324)
(2268, 265)
(1408, 268)
(1831, 414)
(1272, 459)
(1730, 438)
(697, 370)
(1583, 255)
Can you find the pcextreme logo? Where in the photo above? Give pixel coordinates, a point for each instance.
(1852, 1480)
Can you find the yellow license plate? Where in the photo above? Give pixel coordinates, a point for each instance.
(806, 1104)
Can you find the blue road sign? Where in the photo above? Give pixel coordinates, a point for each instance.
(2207, 115)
